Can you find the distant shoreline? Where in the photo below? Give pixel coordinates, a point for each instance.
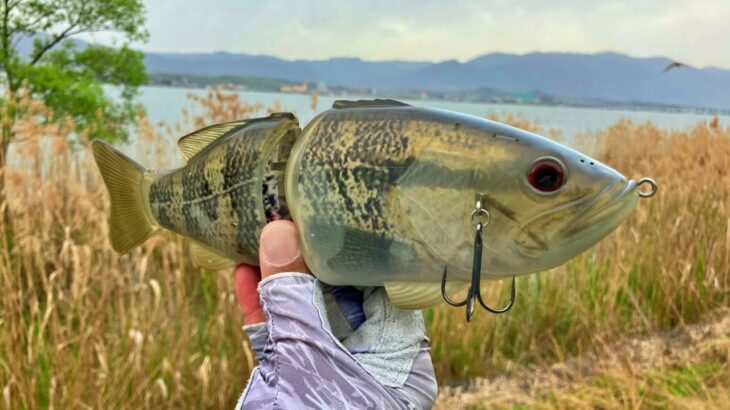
(350, 94)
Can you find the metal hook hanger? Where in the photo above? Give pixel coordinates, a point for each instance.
(480, 219)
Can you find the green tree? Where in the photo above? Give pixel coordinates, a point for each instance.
(69, 78)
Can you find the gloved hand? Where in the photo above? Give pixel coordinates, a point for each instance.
(323, 346)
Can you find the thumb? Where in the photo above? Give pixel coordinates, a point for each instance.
(280, 250)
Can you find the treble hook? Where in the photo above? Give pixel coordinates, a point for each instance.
(479, 218)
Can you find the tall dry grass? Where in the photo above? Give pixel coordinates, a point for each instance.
(81, 327)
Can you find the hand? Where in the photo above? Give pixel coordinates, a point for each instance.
(280, 252)
(327, 347)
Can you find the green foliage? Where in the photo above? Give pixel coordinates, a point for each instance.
(67, 77)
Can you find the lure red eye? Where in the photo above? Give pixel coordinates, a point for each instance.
(546, 175)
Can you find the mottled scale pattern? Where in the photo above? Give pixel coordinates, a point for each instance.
(357, 183)
(351, 165)
(274, 206)
(216, 199)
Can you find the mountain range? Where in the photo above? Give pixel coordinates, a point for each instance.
(603, 77)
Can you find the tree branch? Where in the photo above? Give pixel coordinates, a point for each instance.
(11, 6)
(6, 43)
(32, 24)
(51, 44)
(64, 35)
(93, 30)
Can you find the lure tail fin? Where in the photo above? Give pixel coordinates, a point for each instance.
(129, 224)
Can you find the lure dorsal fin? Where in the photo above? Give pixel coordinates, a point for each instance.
(194, 142)
(339, 104)
(419, 295)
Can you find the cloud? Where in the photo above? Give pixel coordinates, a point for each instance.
(696, 32)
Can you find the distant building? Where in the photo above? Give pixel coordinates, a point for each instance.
(295, 88)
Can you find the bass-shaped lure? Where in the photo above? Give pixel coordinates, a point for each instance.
(382, 194)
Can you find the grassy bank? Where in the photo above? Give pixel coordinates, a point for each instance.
(81, 327)
(684, 368)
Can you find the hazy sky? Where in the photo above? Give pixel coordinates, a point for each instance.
(694, 31)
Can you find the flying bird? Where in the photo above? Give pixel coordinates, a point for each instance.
(673, 64)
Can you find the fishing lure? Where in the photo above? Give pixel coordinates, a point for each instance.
(383, 194)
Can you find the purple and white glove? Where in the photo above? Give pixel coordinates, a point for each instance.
(324, 346)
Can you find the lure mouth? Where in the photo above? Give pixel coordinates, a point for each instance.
(591, 220)
(644, 193)
(607, 205)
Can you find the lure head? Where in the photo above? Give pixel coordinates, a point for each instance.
(546, 202)
(566, 203)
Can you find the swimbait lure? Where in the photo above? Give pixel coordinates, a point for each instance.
(383, 194)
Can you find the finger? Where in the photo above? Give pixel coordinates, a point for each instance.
(246, 279)
(280, 250)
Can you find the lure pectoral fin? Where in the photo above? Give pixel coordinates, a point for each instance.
(129, 224)
(419, 295)
(208, 258)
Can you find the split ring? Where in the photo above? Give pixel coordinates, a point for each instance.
(652, 187)
(480, 216)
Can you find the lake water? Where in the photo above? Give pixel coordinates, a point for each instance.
(166, 104)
